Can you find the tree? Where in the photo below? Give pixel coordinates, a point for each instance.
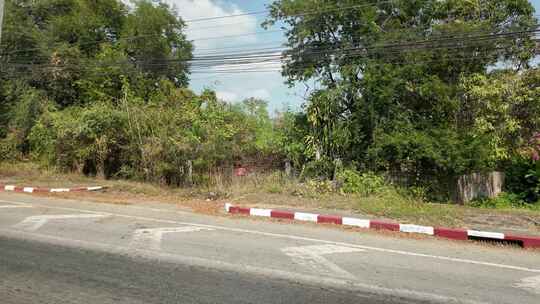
(64, 46)
(154, 39)
(393, 69)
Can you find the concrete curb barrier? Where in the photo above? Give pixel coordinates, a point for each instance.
(448, 233)
(11, 188)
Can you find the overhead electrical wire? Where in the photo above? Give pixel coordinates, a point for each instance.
(254, 69)
(331, 8)
(130, 38)
(400, 47)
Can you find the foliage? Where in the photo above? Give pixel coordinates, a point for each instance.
(397, 94)
(404, 88)
(365, 184)
(292, 129)
(523, 179)
(77, 51)
(152, 140)
(318, 169)
(504, 108)
(503, 201)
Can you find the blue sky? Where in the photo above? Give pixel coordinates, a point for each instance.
(235, 87)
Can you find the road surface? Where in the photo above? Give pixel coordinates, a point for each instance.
(67, 251)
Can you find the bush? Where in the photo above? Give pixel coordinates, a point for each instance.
(8, 148)
(154, 139)
(365, 184)
(318, 169)
(523, 179)
(502, 201)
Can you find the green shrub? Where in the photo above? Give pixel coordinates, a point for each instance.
(318, 169)
(8, 148)
(502, 201)
(365, 184)
(522, 177)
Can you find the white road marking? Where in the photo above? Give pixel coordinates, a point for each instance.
(14, 206)
(293, 237)
(151, 238)
(417, 296)
(531, 284)
(312, 257)
(33, 223)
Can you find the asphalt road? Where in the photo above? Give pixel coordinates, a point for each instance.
(65, 251)
(33, 272)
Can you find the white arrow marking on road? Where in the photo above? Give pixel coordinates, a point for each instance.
(531, 284)
(33, 223)
(151, 238)
(312, 257)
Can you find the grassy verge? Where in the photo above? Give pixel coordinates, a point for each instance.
(276, 191)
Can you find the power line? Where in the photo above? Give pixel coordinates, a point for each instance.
(266, 69)
(216, 37)
(330, 8)
(324, 10)
(413, 45)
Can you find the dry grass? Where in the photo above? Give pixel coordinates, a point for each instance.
(276, 191)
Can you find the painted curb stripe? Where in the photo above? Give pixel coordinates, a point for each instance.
(330, 219)
(449, 233)
(485, 234)
(28, 189)
(240, 210)
(94, 188)
(42, 190)
(526, 241)
(308, 217)
(454, 234)
(350, 221)
(381, 225)
(282, 214)
(260, 212)
(416, 229)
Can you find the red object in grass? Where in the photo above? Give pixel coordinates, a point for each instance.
(241, 171)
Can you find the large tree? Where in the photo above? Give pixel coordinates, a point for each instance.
(391, 75)
(55, 45)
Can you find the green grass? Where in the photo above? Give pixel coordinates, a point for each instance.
(278, 191)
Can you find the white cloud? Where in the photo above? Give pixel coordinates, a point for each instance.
(196, 9)
(239, 94)
(260, 93)
(238, 86)
(227, 96)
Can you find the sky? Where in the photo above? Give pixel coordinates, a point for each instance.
(269, 86)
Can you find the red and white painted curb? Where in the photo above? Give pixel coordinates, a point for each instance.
(449, 233)
(11, 188)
